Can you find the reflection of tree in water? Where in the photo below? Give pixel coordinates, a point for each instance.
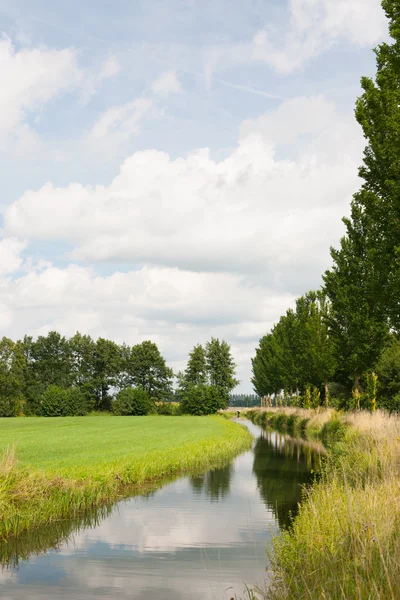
(216, 484)
(282, 466)
(38, 541)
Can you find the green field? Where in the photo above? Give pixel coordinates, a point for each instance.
(53, 468)
(82, 447)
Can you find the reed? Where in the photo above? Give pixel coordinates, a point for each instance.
(345, 541)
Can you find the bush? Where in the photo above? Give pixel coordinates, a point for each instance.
(168, 409)
(132, 401)
(9, 407)
(201, 400)
(54, 402)
(60, 402)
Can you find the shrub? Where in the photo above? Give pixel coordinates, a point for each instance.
(168, 409)
(79, 403)
(60, 402)
(132, 401)
(9, 407)
(201, 400)
(54, 402)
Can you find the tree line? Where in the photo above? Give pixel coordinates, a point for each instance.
(345, 338)
(58, 376)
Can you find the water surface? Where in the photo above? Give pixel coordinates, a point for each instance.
(198, 537)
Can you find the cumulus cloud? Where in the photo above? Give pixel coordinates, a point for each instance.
(251, 214)
(166, 84)
(30, 77)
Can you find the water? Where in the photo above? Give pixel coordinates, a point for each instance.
(197, 538)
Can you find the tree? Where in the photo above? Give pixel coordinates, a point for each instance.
(51, 360)
(82, 349)
(196, 370)
(10, 380)
(107, 365)
(356, 322)
(221, 368)
(378, 113)
(201, 399)
(148, 370)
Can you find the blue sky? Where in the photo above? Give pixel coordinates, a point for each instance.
(175, 170)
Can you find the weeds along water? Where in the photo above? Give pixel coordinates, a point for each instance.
(345, 541)
(37, 489)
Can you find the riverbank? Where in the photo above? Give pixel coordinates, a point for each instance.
(57, 468)
(345, 541)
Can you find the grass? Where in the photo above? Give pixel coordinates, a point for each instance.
(58, 468)
(345, 541)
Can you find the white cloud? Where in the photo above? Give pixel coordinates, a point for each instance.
(10, 259)
(252, 213)
(110, 68)
(313, 26)
(117, 124)
(317, 24)
(166, 84)
(30, 78)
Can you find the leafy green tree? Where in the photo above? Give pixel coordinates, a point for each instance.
(51, 360)
(82, 349)
(106, 368)
(378, 113)
(356, 323)
(10, 384)
(148, 370)
(196, 370)
(221, 368)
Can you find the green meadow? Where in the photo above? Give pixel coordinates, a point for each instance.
(57, 468)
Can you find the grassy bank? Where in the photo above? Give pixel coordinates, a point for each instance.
(58, 468)
(345, 542)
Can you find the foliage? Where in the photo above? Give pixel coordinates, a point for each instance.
(147, 369)
(60, 402)
(221, 368)
(132, 401)
(297, 353)
(201, 399)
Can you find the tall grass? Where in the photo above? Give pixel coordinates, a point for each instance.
(345, 541)
(34, 492)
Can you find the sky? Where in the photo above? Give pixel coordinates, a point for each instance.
(175, 170)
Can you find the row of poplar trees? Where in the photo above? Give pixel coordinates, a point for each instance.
(349, 331)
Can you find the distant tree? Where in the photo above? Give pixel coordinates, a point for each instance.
(148, 370)
(10, 383)
(82, 349)
(107, 365)
(51, 360)
(196, 370)
(221, 368)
